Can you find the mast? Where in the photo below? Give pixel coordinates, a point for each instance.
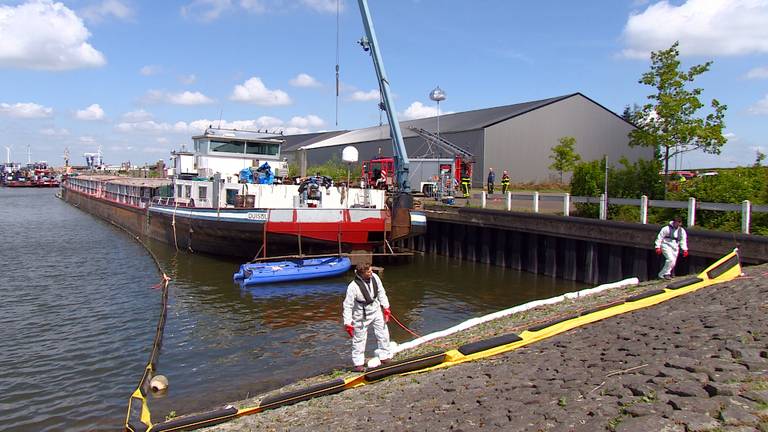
(401, 156)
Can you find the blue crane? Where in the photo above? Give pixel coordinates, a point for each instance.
(370, 43)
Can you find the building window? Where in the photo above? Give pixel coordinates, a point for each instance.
(202, 193)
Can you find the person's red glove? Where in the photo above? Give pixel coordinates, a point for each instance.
(685, 254)
(387, 314)
(350, 329)
(658, 251)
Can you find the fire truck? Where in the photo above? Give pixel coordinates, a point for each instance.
(435, 174)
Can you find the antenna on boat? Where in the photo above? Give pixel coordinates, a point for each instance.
(221, 111)
(338, 7)
(8, 155)
(29, 154)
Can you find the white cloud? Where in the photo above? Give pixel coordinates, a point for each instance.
(27, 110)
(183, 98)
(304, 80)
(254, 6)
(137, 116)
(758, 73)
(87, 139)
(45, 35)
(188, 79)
(93, 112)
(54, 132)
(325, 6)
(98, 12)
(361, 96)
(310, 121)
(418, 110)
(703, 27)
(205, 10)
(760, 107)
(731, 137)
(254, 91)
(149, 70)
(162, 140)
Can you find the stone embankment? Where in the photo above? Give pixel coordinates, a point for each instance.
(694, 363)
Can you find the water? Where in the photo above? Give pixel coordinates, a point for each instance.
(79, 315)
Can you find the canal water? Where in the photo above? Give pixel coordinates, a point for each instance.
(79, 313)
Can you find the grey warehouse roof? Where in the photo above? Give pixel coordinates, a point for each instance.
(456, 122)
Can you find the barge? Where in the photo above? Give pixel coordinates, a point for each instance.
(226, 198)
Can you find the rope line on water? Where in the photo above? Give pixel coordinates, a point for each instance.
(403, 326)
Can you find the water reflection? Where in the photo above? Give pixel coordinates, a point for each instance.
(79, 315)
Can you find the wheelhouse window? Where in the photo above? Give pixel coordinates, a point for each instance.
(237, 147)
(178, 191)
(202, 193)
(187, 191)
(269, 149)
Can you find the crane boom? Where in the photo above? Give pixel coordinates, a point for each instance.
(401, 155)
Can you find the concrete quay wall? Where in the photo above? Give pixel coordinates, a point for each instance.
(586, 250)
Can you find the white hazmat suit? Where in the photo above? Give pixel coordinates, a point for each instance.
(359, 315)
(671, 240)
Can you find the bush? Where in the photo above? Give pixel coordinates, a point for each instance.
(729, 186)
(335, 169)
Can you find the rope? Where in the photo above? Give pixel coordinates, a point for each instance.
(173, 224)
(403, 326)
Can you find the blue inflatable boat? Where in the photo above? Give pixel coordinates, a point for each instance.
(293, 270)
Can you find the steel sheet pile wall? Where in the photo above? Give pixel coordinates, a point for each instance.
(578, 249)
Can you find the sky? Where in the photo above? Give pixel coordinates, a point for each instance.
(139, 78)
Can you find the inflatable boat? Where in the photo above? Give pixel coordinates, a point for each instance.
(292, 270)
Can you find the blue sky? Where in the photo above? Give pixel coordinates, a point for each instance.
(139, 78)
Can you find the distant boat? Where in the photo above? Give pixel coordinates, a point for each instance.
(292, 270)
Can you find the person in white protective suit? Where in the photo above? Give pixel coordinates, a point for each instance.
(362, 307)
(671, 239)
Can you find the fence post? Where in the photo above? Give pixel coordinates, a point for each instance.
(483, 198)
(536, 202)
(691, 211)
(566, 204)
(603, 215)
(746, 213)
(644, 209)
(509, 201)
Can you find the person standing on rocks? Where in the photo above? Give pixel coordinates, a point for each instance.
(362, 307)
(670, 240)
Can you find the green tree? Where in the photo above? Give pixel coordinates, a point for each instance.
(668, 123)
(564, 156)
(759, 158)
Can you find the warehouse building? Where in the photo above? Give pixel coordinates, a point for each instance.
(518, 138)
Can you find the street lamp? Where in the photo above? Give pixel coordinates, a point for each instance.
(437, 95)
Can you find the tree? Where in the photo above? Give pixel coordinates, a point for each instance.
(759, 158)
(564, 156)
(668, 123)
